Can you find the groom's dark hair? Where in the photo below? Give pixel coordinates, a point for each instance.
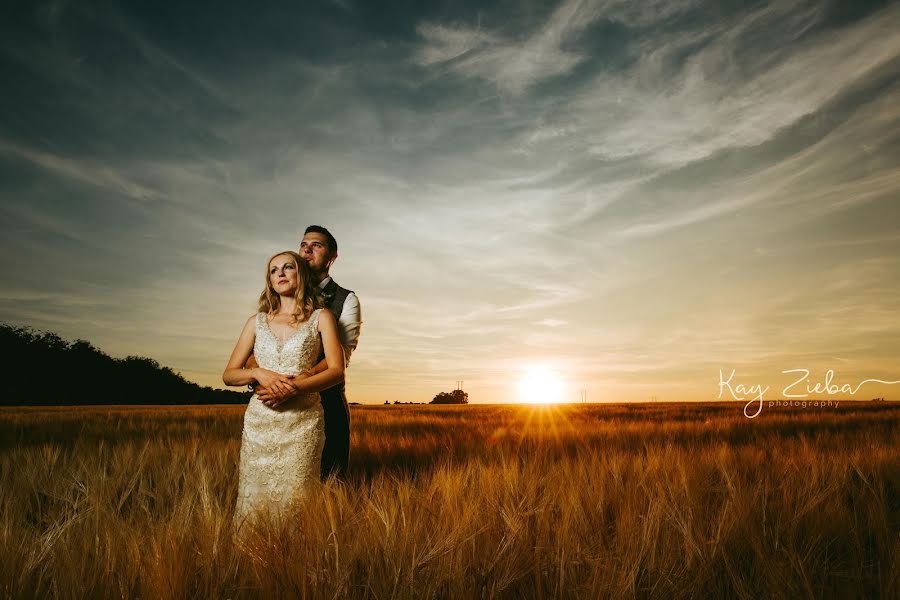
(332, 243)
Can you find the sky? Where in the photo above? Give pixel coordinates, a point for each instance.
(637, 197)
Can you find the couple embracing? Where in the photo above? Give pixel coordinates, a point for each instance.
(293, 353)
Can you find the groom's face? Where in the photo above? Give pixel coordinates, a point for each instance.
(314, 250)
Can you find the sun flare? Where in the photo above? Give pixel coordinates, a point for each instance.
(541, 385)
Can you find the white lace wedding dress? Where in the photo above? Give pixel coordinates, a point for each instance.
(281, 448)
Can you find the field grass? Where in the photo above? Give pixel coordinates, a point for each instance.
(571, 501)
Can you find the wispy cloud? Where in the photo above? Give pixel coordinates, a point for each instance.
(727, 94)
(512, 64)
(91, 172)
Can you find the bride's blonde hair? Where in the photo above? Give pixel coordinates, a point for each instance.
(308, 296)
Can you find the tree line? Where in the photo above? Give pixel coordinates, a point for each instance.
(43, 369)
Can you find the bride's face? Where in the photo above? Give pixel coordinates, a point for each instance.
(283, 275)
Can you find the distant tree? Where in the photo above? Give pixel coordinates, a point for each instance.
(454, 397)
(82, 374)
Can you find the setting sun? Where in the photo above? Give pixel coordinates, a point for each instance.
(540, 385)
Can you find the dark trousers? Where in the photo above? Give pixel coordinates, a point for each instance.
(336, 454)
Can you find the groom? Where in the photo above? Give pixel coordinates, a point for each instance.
(319, 249)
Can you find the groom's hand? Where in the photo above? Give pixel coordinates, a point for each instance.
(272, 397)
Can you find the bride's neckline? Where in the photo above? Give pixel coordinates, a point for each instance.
(284, 340)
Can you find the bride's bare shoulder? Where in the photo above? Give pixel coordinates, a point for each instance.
(326, 316)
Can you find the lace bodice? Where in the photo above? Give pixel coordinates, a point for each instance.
(298, 352)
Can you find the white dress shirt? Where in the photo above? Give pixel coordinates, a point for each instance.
(349, 324)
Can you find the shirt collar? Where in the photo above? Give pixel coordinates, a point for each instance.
(324, 282)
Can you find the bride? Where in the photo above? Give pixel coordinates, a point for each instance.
(281, 447)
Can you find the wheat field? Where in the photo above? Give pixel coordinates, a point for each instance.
(479, 501)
